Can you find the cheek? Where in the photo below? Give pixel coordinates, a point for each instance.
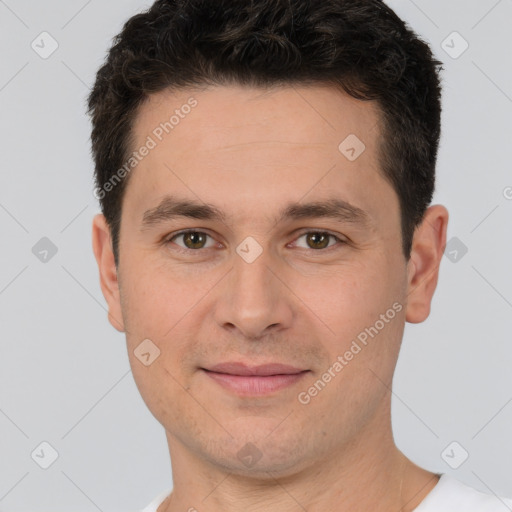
(362, 306)
(348, 298)
(167, 305)
(156, 298)
(155, 308)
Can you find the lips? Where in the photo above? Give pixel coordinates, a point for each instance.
(262, 370)
(245, 380)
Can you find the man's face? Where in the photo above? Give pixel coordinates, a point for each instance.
(257, 287)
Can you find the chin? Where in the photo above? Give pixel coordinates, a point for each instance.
(259, 453)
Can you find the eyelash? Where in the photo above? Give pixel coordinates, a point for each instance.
(339, 241)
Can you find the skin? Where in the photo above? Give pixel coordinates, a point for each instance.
(251, 152)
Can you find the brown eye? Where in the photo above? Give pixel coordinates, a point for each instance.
(317, 240)
(192, 240)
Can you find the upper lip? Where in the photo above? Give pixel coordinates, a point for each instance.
(235, 368)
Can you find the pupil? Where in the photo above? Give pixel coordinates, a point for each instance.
(319, 240)
(194, 239)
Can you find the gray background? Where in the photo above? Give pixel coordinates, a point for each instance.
(64, 372)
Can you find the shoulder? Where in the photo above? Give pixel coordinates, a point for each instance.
(153, 506)
(451, 495)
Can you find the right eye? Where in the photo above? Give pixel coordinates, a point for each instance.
(191, 240)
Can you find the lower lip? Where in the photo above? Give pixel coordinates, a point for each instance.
(255, 385)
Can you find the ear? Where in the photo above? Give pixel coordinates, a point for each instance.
(428, 246)
(102, 247)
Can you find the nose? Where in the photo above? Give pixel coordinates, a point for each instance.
(253, 301)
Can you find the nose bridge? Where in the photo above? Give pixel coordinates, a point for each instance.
(252, 282)
(253, 299)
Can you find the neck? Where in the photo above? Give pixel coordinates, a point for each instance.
(366, 473)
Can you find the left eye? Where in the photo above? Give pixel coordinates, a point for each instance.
(318, 240)
(193, 240)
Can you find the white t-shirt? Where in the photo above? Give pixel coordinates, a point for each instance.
(449, 495)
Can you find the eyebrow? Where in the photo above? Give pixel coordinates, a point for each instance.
(171, 208)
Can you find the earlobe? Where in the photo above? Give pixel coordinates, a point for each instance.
(102, 247)
(423, 268)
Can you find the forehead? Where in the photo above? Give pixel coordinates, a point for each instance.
(227, 117)
(242, 148)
